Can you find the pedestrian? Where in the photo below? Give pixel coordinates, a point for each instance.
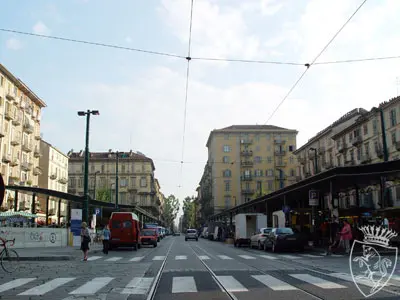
(346, 235)
(85, 240)
(106, 239)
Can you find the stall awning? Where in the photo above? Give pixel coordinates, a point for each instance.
(10, 214)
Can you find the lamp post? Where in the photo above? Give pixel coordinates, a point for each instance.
(95, 180)
(85, 213)
(116, 179)
(315, 173)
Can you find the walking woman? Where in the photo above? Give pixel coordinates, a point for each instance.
(346, 236)
(106, 239)
(85, 240)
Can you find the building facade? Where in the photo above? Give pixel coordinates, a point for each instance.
(54, 176)
(135, 173)
(320, 152)
(20, 116)
(248, 161)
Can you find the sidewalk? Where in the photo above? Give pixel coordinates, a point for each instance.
(55, 253)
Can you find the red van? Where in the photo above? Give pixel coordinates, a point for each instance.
(125, 230)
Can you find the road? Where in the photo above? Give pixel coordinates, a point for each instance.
(189, 270)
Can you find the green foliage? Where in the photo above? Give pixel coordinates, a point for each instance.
(170, 211)
(189, 213)
(103, 195)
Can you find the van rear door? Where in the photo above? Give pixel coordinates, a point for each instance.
(116, 230)
(127, 230)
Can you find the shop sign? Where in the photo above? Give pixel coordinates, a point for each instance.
(313, 198)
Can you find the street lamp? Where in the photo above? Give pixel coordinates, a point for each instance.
(86, 174)
(95, 180)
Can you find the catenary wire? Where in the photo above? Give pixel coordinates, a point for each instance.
(188, 58)
(91, 43)
(314, 60)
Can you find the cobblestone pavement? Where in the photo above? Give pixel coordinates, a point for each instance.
(189, 270)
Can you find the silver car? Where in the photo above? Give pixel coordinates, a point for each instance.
(191, 234)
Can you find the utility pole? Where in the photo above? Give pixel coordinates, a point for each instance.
(116, 182)
(95, 180)
(315, 173)
(385, 199)
(85, 213)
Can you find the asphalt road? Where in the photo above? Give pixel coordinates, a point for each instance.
(190, 270)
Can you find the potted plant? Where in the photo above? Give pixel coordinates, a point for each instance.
(29, 182)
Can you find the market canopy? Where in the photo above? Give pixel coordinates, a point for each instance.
(10, 214)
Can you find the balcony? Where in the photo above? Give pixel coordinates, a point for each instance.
(53, 176)
(14, 162)
(26, 146)
(301, 160)
(16, 140)
(37, 134)
(63, 180)
(366, 158)
(279, 142)
(2, 132)
(247, 153)
(280, 164)
(6, 158)
(36, 153)
(26, 166)
(356, 140)
(321, 150)
(9, 114)
(350, 162)
(132, 188)
(246, 142)
(341, 147)
(247, 163)
(10, 96)
(246, 178)
(13, 180)
(247, 191)
(17, 120)
(280, 153)
(37, 171)
(28, 127)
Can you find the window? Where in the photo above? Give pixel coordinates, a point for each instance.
(127, 224)
(133, 181)
(227, 185)
(292, 172)
(225, 159)
(259, 187)
(352, 155)
(227, 148)
(143, 200)
(291, 160)
(102, 168)
(291, 148)
(123, 168)
(268, 136)
(393, 137)
(270, 172)
(257, 159)
(392, 116)
(359, 153)
(365, 129)
(227, 173)
(122, 197)
(143, 182)
(375, 126)
(270, 185)
(258, 173)
(366, 148)
(269, 159)
(124, 182)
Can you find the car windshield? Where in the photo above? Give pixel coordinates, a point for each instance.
(267, 230)
(191, 231)
(284, 231)
(148, 233)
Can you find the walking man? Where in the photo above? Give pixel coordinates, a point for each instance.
(106, 239)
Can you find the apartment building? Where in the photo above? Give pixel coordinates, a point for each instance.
(159, 197)
(135, 176)
(320, 152)
(248, 161)
(205, 193)
(54, 176)
(20, 116)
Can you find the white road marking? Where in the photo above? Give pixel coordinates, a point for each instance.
(138, 286)
(158, 257)
(180, 257)
(336, 255)
(224, 257)
(203, 257)
(92, 286)
(231, 284)
(313, 256)
(46, 287)
(183, 285)
(274, 283)
(321, 283)
(268, 257)
(348, 277)
(246, 256)
(138, 258)
(113, 258)
(290, 256)
(15, 283)
(94, 258)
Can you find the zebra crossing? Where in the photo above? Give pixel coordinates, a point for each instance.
(206, 257)
(176, 284)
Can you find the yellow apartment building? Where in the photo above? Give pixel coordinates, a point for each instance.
(137, 185)
(54, 176)
(248, 161)
(20, 116)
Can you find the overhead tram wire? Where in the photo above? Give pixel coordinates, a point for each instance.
(188, 58)
(314, 60)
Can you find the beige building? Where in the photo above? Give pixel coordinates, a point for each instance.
(54, 176)
(248, 161)
(20, 115)
(135, 175)
(321, 151)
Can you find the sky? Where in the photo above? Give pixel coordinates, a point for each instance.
(141, 97)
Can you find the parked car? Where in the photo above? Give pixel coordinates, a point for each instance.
(258, 238)
(149, 237)
(177, 233)
(284, 239)
(191, 234)
(125, 230)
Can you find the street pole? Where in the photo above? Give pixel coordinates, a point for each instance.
(95, 180)
(385, 195)
(85, 212)
(116, 183)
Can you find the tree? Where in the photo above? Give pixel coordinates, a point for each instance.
(171, 208)
(103, 195)
(189, 213)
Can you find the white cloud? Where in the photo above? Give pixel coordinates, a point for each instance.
(41, 28)
(13, 44)
(128, 39)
